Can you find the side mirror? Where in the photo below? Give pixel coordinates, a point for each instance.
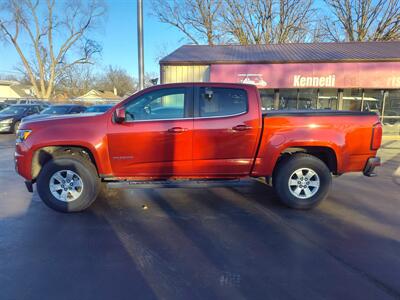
(120, 115)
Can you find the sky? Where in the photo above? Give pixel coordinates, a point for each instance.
(119, 40)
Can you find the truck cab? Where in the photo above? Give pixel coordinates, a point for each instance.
(186, 131)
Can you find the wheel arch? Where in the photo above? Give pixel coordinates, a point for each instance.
(45, 154)
(324, 153)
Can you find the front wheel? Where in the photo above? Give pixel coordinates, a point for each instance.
(68, 183)
(16, 126)
(302, 181)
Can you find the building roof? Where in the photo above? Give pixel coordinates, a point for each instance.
(285, 53)
(22, 90)
(98, 95)
(13, 89)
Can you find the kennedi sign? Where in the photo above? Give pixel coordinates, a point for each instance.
(367, 75)
(308, 81)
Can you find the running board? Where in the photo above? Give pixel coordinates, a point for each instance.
(174, 184)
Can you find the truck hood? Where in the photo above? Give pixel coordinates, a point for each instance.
(51, 120)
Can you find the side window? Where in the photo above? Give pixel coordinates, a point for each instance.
(160, 104)
(219, 102)
(32, 110)
(76, 110)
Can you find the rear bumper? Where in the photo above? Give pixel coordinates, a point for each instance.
(371, 164)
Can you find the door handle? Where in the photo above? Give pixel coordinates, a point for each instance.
(241, 127)
(177, 129)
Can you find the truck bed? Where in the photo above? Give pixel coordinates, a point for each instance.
(316, 112)
(347, 134)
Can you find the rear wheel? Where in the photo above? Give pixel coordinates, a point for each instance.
(68, 183)
(302, 181)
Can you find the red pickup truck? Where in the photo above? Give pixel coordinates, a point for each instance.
(195, 132)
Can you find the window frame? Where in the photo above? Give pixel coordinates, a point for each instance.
(197, 102)
(187, 105)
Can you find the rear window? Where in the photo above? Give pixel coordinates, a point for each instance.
(217, 102)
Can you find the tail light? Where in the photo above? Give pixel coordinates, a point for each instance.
(376, 136)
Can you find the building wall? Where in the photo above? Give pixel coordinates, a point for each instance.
(7, 93)
(171, 74)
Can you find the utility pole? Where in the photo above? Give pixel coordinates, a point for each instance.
(140, 43)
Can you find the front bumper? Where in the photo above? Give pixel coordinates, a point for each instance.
(29, 186)
(371, 164)
(23, 161)
(5, 127)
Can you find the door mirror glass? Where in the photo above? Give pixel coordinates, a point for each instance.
(120, 115)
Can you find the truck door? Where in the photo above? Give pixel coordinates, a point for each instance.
(156, 138)
(226, 131)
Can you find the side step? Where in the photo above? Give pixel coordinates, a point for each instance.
(175, 184)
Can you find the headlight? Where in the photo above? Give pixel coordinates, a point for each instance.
(6, 121)
(22, 135)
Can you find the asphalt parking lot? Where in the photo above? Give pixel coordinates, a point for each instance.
(217, 243)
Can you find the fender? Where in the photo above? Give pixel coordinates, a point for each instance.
(84, 131)
(348, 137)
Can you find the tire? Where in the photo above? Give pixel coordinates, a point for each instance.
(16, 126)
(86, 183)
(307, 190)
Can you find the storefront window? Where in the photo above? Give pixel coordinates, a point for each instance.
(391, 112)
(328, 99)
(352, 99)
(307, 99)
(267, 99)
(372, 100)
(288, 99)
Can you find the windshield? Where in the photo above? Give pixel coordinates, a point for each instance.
(55, 110)
(97, 109)
(13, 110)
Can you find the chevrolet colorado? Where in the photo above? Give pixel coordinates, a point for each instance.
(195, 132)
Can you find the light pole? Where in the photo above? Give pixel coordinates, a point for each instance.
(140, 43)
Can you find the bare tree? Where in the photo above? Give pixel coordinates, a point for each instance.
(76, 80)
(151, 78)
(248, 22)
(363, 20)
(51, 37)
(116, 79)
(196, 19)
(268, 21)
(10, 77)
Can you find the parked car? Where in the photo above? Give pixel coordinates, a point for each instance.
(61, 109)
(43, 104)
(99, 108)
(171, 134)
(11, 116)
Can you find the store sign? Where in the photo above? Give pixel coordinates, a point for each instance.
(312, 75)
(307, 81)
